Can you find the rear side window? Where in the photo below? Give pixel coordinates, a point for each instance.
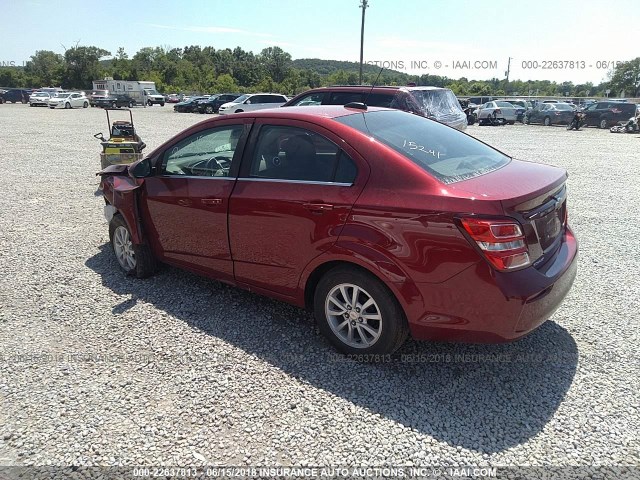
(447, 154)
(291, 153)
(380, 100)
(342, 98)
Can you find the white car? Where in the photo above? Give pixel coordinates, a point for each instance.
(39, 98)
(69, 100)
(503, 112)
(251, 102)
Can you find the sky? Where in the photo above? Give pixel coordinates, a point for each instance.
(456, 38)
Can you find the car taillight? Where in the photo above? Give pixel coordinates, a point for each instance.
(498, 110)
(501, 241)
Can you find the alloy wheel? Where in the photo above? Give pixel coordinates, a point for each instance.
(353, 315)
(123, 247)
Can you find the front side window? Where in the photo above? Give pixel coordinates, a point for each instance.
(445, 153)
(290, 153)
(204, 154)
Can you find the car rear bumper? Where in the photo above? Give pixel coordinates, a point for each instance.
(485, 306)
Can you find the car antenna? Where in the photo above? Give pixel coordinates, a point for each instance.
(363, 105)
(373, 86)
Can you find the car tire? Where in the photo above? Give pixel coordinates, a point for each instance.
(512, 123)
(386, 334)
(31, 105)
(85, 105)
(162, 104)
(604, 123)
(149, 103)
(135, 260)
(130, 104)
(547, 122)
(208, 109)
(67, 105)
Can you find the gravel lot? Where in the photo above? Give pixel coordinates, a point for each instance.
(100, 369)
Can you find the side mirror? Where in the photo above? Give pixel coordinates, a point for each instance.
(141, 169)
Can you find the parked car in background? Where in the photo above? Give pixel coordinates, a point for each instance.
(433, 102)
(188, 106)
(550, 114)
(97, 95)
(39, 99)
(380, 238)
(69, 100)
(115, 100)
(497, 111)
(480, 100)
(15, 95)
(607, 113)
(214, 102)
(252, 102)
(173, 98)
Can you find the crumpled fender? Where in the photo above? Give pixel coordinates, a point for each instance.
(120, 192)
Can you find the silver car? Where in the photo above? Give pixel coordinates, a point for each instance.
(497, 111)
(39, 98)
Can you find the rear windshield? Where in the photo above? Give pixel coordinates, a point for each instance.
(504, 104)
(563, 106)
(445, 153)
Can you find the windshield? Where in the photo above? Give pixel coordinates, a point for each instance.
(41, 94)
(563, 106)
(241, 99)
(445, 153)
(151, 91)
(62, 95)
(504, 104)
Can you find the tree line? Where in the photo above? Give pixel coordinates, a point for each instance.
(208, 70)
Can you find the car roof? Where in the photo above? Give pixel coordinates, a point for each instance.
(309, 112)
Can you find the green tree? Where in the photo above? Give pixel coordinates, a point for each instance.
(626, 78)
(13, 77)
(276, 62)
(45, 69)
(225, 83)
(82, 66)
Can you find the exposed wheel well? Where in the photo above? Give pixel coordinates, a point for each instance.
(318, 273)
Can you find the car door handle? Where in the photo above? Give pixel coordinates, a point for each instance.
(318, 207)
(211, 201)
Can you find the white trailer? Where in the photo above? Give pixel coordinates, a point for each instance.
(144, 93)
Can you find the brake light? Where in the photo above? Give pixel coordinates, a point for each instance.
(501, 241)
(498, 110)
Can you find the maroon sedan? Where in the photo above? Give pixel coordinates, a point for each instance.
(383, 222)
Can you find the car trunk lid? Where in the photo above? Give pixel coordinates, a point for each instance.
(532, 193)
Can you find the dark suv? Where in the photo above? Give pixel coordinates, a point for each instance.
(212, 104)
(14, 95)
(606, 114)
(432, 102)
(115, 100)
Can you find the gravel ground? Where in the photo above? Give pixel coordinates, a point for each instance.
(100, 369)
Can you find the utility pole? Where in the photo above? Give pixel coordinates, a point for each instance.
(363, 5)
(508, 70)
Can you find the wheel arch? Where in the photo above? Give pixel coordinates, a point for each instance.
(399, 284)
